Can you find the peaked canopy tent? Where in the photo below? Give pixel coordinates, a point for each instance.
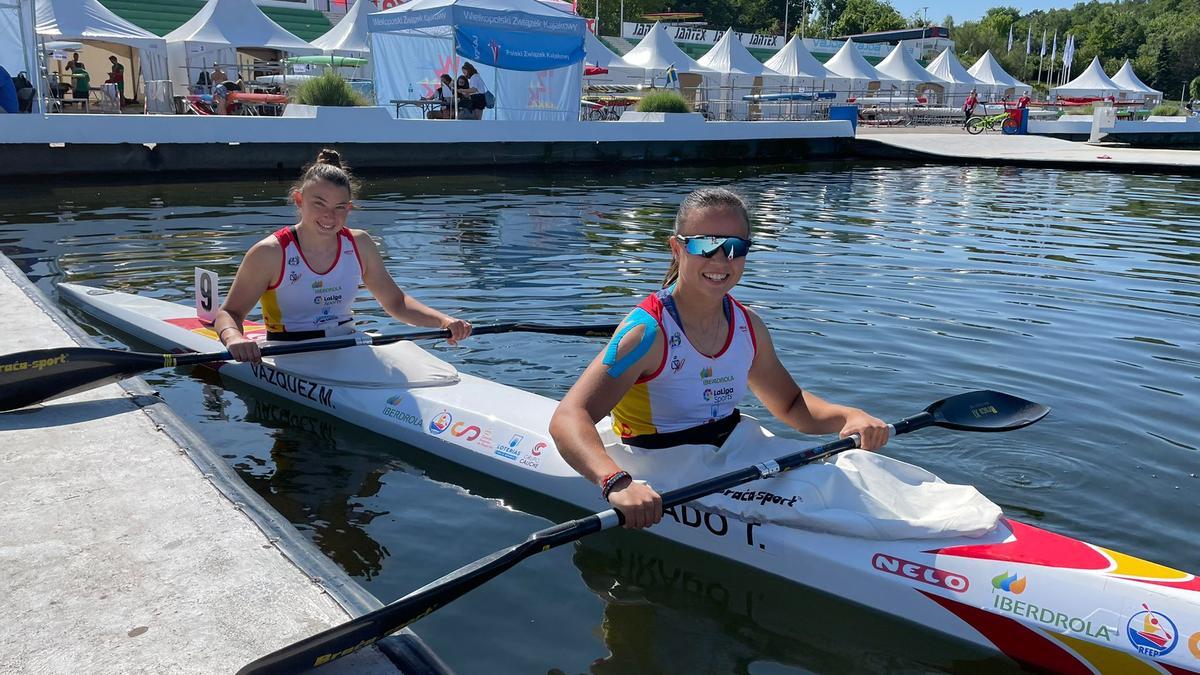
(802, 68)
(349, 37)
(739, 74)
(619, 71)
(959, 82)
(530, 55)
(994, 80)
(90, 22)
(218, 31)
(900, 65)
(1091, 83)
(657, 52)
(862, 77)
(1129, 82)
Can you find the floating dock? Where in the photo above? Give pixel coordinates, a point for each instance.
(129, 545)
(955, 146)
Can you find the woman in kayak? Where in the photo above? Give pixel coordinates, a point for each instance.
(677, 366)
(301, 303)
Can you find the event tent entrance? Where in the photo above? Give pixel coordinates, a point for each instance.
(1091, 83)
(18, 52)
(218, 31)
(1128, 81)
(530, 55)
(740, 74)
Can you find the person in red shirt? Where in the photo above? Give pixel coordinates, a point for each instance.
(1023, 102)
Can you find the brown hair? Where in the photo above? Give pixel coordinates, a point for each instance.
(468, 66)
(698, 200)
(329, 168)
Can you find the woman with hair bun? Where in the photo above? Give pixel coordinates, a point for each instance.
(307, 274)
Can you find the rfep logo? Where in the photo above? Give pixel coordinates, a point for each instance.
(918, 572)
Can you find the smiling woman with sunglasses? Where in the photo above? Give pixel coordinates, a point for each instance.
(678, 365)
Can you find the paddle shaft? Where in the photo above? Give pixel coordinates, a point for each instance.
(34, 376)
(371, 627)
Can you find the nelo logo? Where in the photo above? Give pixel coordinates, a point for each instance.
(918, 572)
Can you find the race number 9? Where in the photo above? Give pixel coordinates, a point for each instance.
(208, 295)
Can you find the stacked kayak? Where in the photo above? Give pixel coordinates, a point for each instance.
(1046, 600)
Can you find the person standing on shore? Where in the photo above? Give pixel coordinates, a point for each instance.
(969, 105)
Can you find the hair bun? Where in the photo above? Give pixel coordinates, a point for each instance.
(329, 156)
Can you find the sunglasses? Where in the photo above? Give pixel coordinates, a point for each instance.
(707, 245)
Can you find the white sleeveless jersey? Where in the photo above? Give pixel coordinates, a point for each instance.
(302, 299)
(689, 388)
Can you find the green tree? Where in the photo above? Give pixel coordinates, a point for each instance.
(867, 16)
(1194, 89)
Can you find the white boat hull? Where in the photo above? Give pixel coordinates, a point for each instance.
(1045, 600)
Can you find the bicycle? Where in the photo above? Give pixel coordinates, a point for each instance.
(1008, 123)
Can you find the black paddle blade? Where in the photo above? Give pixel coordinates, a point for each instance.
(986, 411)
(42, 374)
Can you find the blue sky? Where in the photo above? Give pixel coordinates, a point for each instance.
(972, 9)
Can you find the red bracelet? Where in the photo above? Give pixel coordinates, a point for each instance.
(610, 482)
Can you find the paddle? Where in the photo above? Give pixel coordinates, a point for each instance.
(974, 411)
(41, 374)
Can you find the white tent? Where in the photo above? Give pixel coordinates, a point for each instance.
(619, 72)
(530, 55)
(863, 78)
(995, 81)
(902, 67)
(218, 30)
(17, 42)
(1091, 83)
(89, 21)
(656, 53)
(1137, 90)
(800, 66)
(349, 36)
(739, 74)
(947, 67)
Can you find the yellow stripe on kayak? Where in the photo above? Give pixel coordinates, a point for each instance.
(1129, 566)
(1106, 660)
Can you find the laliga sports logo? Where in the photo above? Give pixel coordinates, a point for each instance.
(440, 422)
(1009, 583)
(1152, 633)
(708, 394)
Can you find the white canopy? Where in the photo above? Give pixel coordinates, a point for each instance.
(1091, 82)
(349, 36)
(795, 61)
(218, 30)
(995, 80)
(619, 72)
(533, 65)
(849, 64)
(656, 51)
(17, 51)
(729, 56)
(1128, 80)
(947, 67)
(901, 66)
(89, 20)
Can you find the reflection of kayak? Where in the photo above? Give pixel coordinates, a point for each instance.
(1046, 600)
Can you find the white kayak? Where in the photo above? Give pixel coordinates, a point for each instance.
(1045, 600)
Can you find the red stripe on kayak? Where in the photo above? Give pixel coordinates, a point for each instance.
(1016, 640)
(1034, 546)
(195, 324)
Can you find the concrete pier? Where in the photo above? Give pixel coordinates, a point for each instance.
(129, 546)
(955, 145)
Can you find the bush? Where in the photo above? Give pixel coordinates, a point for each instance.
(328, 89)
(1167, 110)
(1194, 88)
(665, 101)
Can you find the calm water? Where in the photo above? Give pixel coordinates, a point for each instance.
(885, 288)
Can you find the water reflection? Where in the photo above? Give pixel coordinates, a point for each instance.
(886, 287)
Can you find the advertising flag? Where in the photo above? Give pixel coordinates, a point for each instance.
(1043, 42)
(1010, 37)
(1029, 39)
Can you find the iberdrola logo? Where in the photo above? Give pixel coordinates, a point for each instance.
(1010, 583)
(706, 372)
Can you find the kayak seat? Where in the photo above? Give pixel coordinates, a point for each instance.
(397, 365)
